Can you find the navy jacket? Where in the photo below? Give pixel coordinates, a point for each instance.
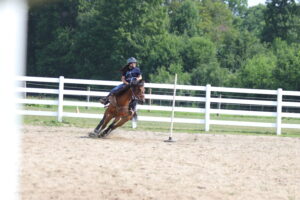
(132, 73)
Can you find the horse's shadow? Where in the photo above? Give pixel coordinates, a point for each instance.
(94, 138)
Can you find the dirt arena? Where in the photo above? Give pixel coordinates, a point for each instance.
(62, 163)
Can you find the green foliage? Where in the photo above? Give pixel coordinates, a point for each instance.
(237, 48)
(164, 75)
(258, 72)
(221, 42)
(238, 7)
(165, 52)
(198, 51)
(216, 20)
(184, 18)
(287, 72)
(253, 20)
(282, 21)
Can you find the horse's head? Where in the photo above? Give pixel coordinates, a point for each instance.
(138, 90)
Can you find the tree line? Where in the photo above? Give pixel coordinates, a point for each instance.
(220, 42)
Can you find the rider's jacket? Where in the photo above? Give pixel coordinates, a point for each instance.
(132, 73)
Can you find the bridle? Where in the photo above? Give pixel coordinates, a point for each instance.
(134, 96)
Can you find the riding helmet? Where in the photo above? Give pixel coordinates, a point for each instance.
(131, 60)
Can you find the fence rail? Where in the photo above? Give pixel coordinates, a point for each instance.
(207, 101)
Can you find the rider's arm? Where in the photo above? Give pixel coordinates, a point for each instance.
(124, 81)
(139, 77)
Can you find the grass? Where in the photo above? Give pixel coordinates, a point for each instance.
(163, 127)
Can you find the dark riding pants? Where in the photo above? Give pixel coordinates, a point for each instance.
(118, 89)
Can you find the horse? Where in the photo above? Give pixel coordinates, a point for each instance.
(119, 109)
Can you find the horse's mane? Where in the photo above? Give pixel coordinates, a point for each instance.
(137, 84)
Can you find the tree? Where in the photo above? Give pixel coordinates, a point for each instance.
(216, 20)
(253, 20)
(166, 52)
(199, 58)
(238, 7)
(258, 72)
(50, 38)
(166, 75)
(237, 48)
(117, 30)
(282, 21)
(209, 74)
(287, 72)
(184, 18)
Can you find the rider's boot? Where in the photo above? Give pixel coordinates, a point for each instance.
(105, 100)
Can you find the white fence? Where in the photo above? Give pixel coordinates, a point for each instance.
(60, 102)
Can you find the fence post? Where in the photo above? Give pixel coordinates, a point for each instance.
(279, 111)
(207, 107)
(88, 96)
(150, 100)
(219, 105)
(25, 93)
(60, 99)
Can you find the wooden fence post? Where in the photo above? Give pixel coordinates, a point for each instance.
(60, 99)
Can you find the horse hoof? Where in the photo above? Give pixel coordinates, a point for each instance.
(93, 135)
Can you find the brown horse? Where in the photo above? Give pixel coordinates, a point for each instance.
(119, 109)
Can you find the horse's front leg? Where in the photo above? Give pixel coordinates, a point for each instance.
(115, 124)
(97, 129)
(103, 123)
(110, 128)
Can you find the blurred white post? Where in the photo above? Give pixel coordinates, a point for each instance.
(25, 94)
(279, 111)
(173, 107)
(60, 99)
(88, 96)
(150, 100)
(207, 107)
(13, 29)
(219, 105)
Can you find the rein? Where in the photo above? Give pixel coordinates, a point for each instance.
(132, 94)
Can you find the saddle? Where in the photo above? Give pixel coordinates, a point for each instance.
(125, 110)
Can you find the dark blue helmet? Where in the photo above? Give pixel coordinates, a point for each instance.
(131, 60)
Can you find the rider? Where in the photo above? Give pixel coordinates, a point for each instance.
(130, 73)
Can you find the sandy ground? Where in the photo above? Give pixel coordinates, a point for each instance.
(62, 163)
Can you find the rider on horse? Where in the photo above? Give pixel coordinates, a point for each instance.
(130, 75)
